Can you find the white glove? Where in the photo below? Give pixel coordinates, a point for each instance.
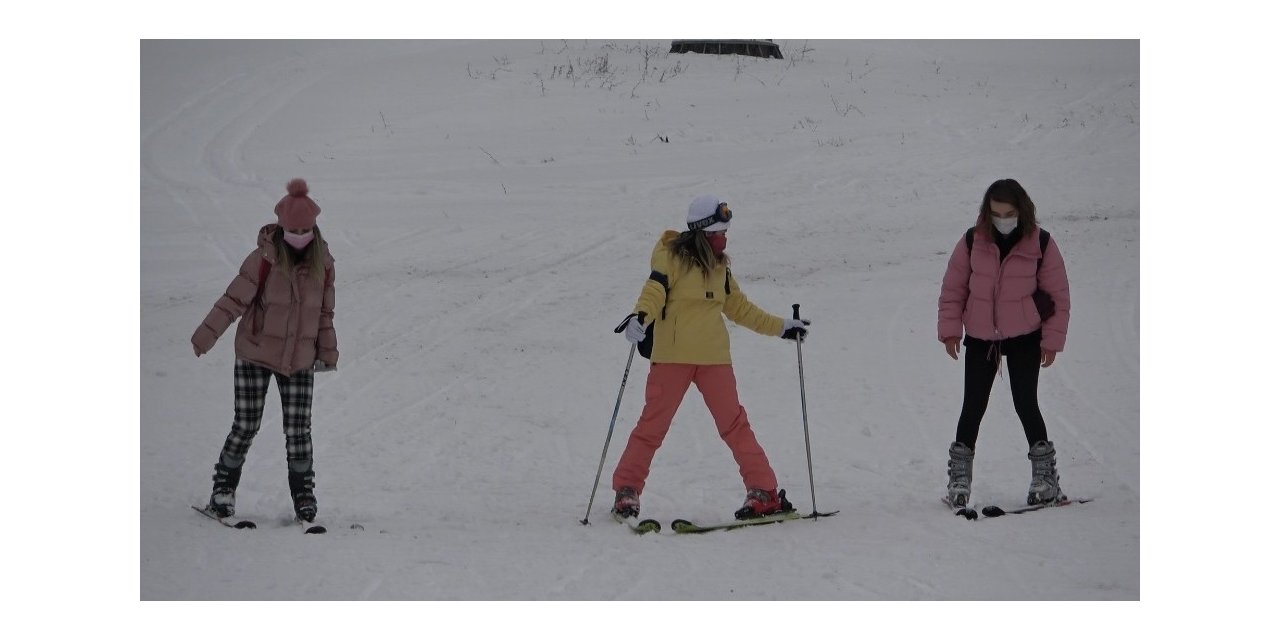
(635, 330)
(321, 367)
(794, 328)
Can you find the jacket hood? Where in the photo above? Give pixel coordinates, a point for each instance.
(266, 244)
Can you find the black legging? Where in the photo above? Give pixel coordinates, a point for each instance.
(981, 360)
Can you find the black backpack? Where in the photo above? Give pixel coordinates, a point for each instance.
(1044, 302)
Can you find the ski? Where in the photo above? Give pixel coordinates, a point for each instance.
(685, 526)
(639, 528)
(309, 527)
(226, 522)
(993, 511)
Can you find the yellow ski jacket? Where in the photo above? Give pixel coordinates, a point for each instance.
(687, 309)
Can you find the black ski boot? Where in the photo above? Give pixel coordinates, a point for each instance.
(222, 502)
(302, 490)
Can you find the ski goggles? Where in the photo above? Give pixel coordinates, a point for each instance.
(722, 214)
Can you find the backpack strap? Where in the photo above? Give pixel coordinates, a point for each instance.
(1044, 244)
(646, 345)
(661, 278)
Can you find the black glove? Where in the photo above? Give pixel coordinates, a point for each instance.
(794, 329)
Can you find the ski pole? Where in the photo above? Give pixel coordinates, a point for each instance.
(804, 413)
(609, 436)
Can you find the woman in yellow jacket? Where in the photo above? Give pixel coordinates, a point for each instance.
(688, 291)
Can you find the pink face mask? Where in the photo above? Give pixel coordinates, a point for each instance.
(299, 241)
(718, 243)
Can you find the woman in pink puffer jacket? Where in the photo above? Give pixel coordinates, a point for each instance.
(284, 299)
(988, 297)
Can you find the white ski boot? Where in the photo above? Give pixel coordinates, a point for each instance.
(960, 471)
(1044, 474)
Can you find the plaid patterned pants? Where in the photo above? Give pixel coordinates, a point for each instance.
(251, 382)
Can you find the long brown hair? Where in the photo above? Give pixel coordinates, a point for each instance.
(693, 250)
(1008, 191)
(312, 256)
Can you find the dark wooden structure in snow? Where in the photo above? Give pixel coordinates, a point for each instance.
(757, 48)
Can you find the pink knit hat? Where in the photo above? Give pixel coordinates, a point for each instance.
(296, 210)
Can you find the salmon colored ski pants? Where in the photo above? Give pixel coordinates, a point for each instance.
(663, 393)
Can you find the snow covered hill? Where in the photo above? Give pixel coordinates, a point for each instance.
(492, 206)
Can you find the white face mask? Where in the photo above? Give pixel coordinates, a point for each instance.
(299, 241)
(1005, 225)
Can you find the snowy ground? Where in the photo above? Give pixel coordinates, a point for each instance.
(492, 206)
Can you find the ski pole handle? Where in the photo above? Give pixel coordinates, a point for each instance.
(795, 311)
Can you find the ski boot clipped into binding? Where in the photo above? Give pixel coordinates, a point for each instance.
(960, 474)
(302, 489)
(1044, 475)
(222, 501)
(626, 503)
(763, 503)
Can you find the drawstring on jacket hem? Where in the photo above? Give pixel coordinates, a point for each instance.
(995, 349)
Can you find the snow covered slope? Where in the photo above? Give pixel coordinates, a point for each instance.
(492, 206)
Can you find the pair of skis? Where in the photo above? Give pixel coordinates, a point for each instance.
(993, 511)
(306, 527)
(682, 526)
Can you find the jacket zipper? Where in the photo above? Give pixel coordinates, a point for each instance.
(291, 339)
(995, 295)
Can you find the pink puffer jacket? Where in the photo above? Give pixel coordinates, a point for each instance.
(293, 325)
(991, 300)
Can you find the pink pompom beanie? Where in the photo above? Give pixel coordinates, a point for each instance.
(296, 210)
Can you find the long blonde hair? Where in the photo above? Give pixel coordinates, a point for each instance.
(693, 250)
(312, 256)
